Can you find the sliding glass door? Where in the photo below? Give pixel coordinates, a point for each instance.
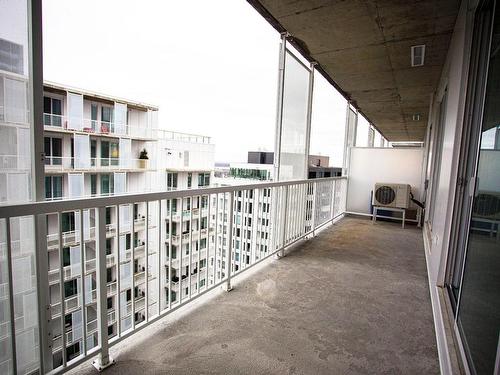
(474, 267)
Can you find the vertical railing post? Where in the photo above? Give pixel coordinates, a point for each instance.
(332, 208)
(11, 296)
(146, 262)
(313, 211)
(42, 269)
(104, 360)
(283, 237)
(228, 286)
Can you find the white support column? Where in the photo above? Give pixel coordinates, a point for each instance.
(36, 98)
(104, 360)
(309, 117)
(345, 161)
(279, 105)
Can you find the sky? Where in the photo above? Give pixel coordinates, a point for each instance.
(210, 66)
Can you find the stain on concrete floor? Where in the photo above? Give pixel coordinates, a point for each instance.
(353, 300)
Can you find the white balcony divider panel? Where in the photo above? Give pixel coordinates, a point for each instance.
(362, 132)
(120, 182)
(371, 136)
(125, 147)
(23, 149)
(82, 151)
(313, 202)
(120, 116)
(15, 101)
(75, 185)
(327, 135)
(75, 111)
(350, 135)
(18, 187)
(378, 140)
(292, 145)
(390, 165)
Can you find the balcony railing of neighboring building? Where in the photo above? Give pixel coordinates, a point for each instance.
(69, 163)
(184, 137)
(99, 127)
(295, 209)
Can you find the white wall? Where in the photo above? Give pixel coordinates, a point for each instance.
(371, 165)
(454, 80)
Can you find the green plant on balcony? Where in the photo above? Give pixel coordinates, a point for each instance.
(143, 157)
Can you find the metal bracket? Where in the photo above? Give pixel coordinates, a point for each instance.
(100, 366)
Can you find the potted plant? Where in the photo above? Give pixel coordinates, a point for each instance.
(143, 157)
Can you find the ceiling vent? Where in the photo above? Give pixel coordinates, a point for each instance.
(418, 55)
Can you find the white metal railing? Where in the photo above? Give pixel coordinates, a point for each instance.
(90, 126)
(185, 137)
(69, 163)
(281, 213)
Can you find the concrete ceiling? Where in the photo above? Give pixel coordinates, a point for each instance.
(365, 48)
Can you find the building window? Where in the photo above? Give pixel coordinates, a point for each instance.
(108, 215)
(93, 184)
(66, 257)
(110, 303)
(93, 152)
(107, 184)
(53, 151)
(110, 153)
(203, 179)
(73, 351)
(109, 275)
(190, 179)
(106, 120)
(171, 181)
(70, 288)
(52, 111)
(108, 245)
(68, 221)
(53, 187)
(93, 116)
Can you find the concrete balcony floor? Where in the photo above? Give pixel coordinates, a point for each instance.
(353, 300)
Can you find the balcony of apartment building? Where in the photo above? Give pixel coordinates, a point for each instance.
(361, 273)
(67, 110)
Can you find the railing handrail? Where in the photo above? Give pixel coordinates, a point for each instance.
(46, 207)
(86, 119)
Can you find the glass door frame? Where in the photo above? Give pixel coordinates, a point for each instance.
(483, 23)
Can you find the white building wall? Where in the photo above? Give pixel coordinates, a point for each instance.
(454, 80)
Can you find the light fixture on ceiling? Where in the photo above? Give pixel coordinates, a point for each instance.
(417, 55)
(416, 117)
